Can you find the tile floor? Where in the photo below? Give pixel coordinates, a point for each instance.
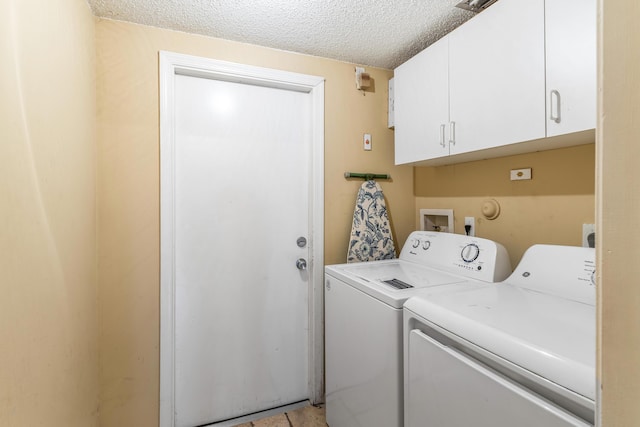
(309, 416)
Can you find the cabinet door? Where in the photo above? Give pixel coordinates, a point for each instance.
(421, 105)
(496, 76)
(571, 65)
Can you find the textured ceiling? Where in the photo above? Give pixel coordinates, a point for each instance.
(382, 33)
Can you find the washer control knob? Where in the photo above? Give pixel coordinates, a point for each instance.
(415, 243)
(426, 244)
(470, 252)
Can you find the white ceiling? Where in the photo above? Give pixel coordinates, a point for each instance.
(382, 33)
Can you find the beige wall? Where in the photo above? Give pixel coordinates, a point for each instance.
(48, 309)
(618, 210)
(128, 183)
(48, 289)
(550, 208)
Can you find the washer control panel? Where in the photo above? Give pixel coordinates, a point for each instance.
(471, 257)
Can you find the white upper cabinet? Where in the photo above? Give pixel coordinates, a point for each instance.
(422, 86)
(496, 77)
(500, 84)
(571, 65)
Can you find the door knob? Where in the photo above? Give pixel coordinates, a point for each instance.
(301, 263)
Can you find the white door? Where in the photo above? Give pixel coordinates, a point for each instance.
(241, 174)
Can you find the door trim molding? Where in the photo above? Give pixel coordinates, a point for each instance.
(172, 64)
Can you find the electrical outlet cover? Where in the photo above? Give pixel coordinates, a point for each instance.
(469, 220)
(588, 235)
(520, 174)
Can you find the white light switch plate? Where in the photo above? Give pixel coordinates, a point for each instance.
(367, 141)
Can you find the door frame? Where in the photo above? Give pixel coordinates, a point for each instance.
(172, 64)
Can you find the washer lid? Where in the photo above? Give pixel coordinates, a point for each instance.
(371, 278)
(415, 275)
(548, 335)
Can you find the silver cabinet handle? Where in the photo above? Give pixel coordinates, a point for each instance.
(301, 263)
(452, 136)
(554, 117)
(442, 135)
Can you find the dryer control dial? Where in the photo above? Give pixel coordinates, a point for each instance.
(426, 244)
(470, 252)
(415, 243)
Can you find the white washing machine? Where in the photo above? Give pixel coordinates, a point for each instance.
(363, 319)
(518, 353)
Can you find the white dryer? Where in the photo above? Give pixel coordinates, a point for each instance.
(518, 353)
(363, 319)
